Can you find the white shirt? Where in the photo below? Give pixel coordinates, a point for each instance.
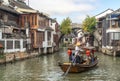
(77, 48)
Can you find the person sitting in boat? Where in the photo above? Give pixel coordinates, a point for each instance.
(69, 52)
(90, 55)
(77, 59)
(73, 58)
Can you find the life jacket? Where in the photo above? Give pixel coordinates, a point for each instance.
(88, 52)
(69, 52)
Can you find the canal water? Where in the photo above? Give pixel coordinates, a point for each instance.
(45, 68)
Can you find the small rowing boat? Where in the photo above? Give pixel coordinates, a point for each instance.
(77, 68)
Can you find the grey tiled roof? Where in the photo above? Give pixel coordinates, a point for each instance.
(21, 5)
(46, 28)
(8, 9)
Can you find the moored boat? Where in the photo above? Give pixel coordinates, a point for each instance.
(77, 68)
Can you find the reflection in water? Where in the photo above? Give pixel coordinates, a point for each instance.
(45, 68)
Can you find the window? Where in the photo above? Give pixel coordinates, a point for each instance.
(49, 35)
(115, 36)
(32, 20)
(35, 19)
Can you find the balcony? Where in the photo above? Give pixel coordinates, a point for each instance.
(47, 44)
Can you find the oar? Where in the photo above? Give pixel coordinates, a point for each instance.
(69, 67)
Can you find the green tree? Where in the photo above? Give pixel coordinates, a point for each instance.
(65, 26)
(88, 24)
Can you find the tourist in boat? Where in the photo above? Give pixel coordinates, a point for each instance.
(89, 52)
(78, 59)
(69, 52)
(88, 56)
(92, 55)
(73, 58)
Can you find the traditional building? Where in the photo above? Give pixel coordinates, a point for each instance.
(110, 41)
(35, 26)
(40, 28)
(12, 38)
(99, 28)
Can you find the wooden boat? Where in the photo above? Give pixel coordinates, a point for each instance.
(77, 68)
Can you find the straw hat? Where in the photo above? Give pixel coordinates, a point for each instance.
(78, 44)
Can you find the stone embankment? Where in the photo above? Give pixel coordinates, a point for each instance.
(12, 57)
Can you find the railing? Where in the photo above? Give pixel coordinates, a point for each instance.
(13, 45)
(47, 44)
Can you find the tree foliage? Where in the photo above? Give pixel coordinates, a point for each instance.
(65, 26)
(88, 24)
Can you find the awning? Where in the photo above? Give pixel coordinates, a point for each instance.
(114, 16)
(45, 28)
(110, 30)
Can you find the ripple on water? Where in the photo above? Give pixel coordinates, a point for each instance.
(45, 68)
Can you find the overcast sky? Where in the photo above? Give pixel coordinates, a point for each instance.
(75, 9)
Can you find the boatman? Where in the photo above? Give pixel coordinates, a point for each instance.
(78, 49)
